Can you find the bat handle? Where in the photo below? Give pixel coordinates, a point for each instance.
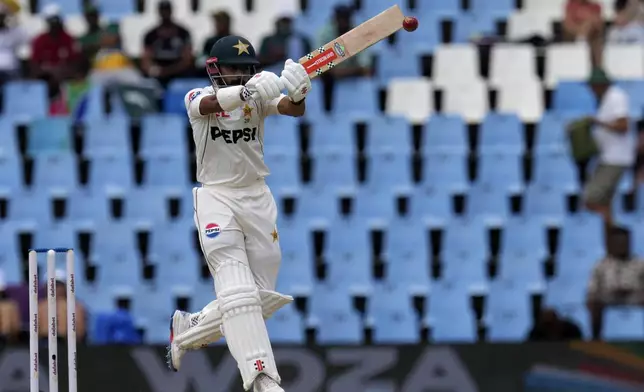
(281, 85)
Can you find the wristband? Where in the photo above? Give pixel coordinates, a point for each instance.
(298, 103)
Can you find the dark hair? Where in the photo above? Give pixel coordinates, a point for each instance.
(620, 5)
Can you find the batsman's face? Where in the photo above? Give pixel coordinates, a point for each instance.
(232, 75)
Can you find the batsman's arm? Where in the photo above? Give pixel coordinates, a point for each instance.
(286, 107)
(200, 104)
(209, 105)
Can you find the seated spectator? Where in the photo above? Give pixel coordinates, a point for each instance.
(61, 312)
(9, 315)
(222, 29)
(551, 327)
(275, 47)
(616, 145)
(91, 41)
(53, 50)
(358, 65)
(111, 64)
(583, 22)
(627, 27)
(12, 38)
(168, 48)
(618, 279)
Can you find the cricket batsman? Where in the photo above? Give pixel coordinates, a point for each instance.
(235, 212)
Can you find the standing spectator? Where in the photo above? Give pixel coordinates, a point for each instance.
(11, 39)
(91, 40)
(616, 145)
(583, 22)
(61, 311)
(627, 27)
(275, 47)
(222, 29)
(618, 279)
(168, 48)
(53, 50)
(9, 314)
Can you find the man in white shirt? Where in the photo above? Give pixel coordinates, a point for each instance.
(11, 39)
(616, 143)
(235, 212)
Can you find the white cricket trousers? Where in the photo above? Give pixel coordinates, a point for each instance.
(239, 224)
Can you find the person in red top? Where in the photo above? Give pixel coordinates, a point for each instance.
(583, 22)
(53, 50)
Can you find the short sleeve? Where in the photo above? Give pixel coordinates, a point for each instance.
(270, 107)
(192, 100)
(619, 105)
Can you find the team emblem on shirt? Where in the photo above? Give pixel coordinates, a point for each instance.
(248, 113)
(194, 95)
(275, 235)
(212, 230)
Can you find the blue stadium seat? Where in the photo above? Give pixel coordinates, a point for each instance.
(26, 99)
(355, 97)
(285, 171)
(295, 48)
(523, 250)
(10, 258)
(374, 7)
(318, 205)
(581, 244)
(391, 314)
(465, 264)
(449, 314)
(86, 207)
(501, 133)
(67, 7)
(109, 135)
(95, 107)
(508, 310)
(173, 100)
(445, 170)
(111, 172)
(166, 171)
(55, 236)
(55, 172)
(407, 252)
(146, 207)
(488, 202)
(574, 97)
(163, 134)
(30, 208)
(635, 91)
(281, 134)
(566, 291)
(153, 305)
(297, 271)
(331, 311)
(286, 326)
(438, 8)
(114, 328)
(332, 134)
(8, 139)
(473, 25)
(115, 253)
(493, 8)
(173, 251)
(388, 134)
(315, 102)
(11, 175)
(445, 134)
(551, 132)
(336, 170)
(395, 62)
(390, 171)
(500, 170)
(348, 254)
(623, 323)
(544, 202)
(555, 169)
(49, 135)
(637, 231)
(432, 204)
(114, 10)
(372, 206)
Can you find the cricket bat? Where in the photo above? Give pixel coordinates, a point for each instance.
(353, 42)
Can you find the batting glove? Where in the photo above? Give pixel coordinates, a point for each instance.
(265, 86)
(296, 80)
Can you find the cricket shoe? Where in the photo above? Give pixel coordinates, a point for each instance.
(179, 323)
(264, 383)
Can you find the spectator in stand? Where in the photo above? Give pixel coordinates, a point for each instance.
(9, 315)
(552, 327)
(618, 279)
(11, 39)
(61, 311)
(615, 143)
(111, 64)
(168, 48)
(91, 40)
(222, 29)
(583, 22)
(627, 27)
(275, 47)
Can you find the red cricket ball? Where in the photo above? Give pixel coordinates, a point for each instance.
(410, 23)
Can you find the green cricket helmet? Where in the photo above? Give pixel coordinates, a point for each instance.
(235, 52)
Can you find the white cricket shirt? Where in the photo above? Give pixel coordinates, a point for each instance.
(229, 145)
(615, 148)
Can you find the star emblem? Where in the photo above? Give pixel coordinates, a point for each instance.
(241, 48)
(248, 111)
(275, 235)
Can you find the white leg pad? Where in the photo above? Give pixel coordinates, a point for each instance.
(208, 327)
(243, 322)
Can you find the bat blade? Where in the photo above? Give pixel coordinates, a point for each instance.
(353, 42)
